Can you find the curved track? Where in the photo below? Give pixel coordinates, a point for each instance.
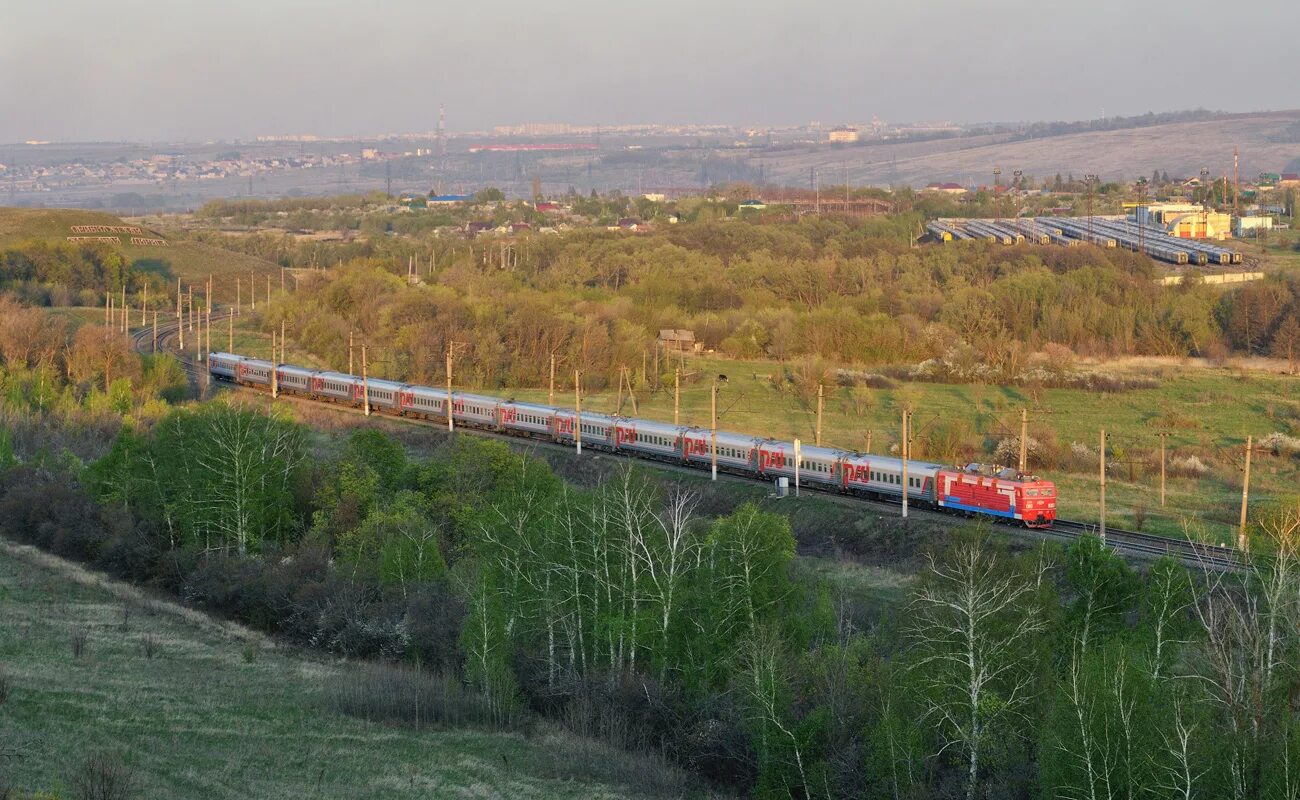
(1132, 544)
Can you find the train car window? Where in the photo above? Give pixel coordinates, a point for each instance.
(1031, 492)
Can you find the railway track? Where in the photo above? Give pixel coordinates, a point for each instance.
(1132, 544)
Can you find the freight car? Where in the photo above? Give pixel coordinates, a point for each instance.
(972, 490)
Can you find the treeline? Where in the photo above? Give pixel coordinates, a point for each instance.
(51, 366)
(632, 610)
(1263, 318)
(853, 295)
(67, 274)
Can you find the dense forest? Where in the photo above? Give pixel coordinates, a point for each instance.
(851, 295)
(647, 613)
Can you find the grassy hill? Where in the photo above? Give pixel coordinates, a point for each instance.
(192, 262)
(196, 708)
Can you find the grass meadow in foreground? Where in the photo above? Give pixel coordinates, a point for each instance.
(189, 707)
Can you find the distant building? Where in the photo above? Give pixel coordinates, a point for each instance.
(679, 341)
(946, 188)
(475, 228)
(547, 208)
(631, 224)
(1288, 180)
(450, 199)
(752, 205)
(655, 197)
(843, 134)
(1252, 225)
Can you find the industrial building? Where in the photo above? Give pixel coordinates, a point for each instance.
(1251, 226)
(1185, 220)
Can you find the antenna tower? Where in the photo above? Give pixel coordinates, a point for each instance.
(442, 131)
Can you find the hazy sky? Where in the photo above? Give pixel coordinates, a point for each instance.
(176, 69)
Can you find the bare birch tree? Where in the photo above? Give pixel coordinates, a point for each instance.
(974, 626)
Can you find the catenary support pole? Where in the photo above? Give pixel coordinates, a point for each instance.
(1101, 476)
(577, 411)
(1242, 542)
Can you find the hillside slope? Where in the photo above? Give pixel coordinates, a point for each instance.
(218, 711)
(192, 262)
(1268, 142)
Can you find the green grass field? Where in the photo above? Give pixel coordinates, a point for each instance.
(219, 711)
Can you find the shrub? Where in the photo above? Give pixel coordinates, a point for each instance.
(102, 777)
(4, 688)
(1187, 467)
(1008, 451)
(149, 645)
(1280, 444)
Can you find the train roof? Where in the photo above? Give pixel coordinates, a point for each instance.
(892, 462)
(293, 370)
(337, 376)
(651, 426)
(805, 450)
(729, 438)
(530, 406)
(427, 390)
(479, 397)
(383, 384)
(586, 415)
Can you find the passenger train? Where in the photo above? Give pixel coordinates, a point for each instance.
(971, 490)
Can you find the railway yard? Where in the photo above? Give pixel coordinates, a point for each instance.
(1102, 231)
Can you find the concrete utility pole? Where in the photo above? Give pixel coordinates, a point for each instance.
(275, 369)
(1163, 436)
(230, 333)
(1101, 472)
(677, 395)
(350, 372)
(365, 383)
(905, 450)
(1242, 542)
(268, 290)
(239, 299)
(798, 462)
(108, 308)
(252, 292)
(577, 410)
(817, 433)
(125, 308)
(207, 296)
(451, 408)
(144, 307)
(713, 428)
(180, 315)
(155, 331)
(550, 395)
(1024, 436)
